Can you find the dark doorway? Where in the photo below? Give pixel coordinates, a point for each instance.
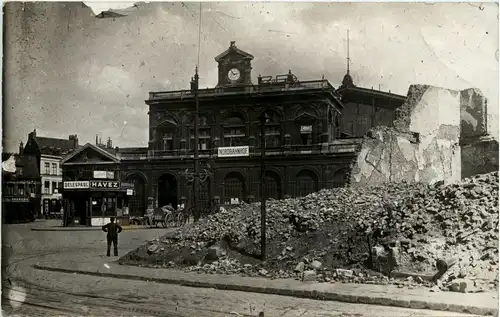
(137, 202)
(167, 191)
(306, 183)
(340, 178)
(272, 185)
(81, 209)
(234, 187)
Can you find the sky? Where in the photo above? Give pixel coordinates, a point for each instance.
(68, 72)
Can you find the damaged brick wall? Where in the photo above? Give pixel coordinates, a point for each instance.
(451, 127)
(423, 146)
(479, 157)
(473, 113)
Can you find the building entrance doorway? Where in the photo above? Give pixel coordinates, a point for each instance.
(167, 191)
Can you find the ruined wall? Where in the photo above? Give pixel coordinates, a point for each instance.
(473, 113)
(423, 146)
(479, 157)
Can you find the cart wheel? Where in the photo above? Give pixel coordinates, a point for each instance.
(167, 220)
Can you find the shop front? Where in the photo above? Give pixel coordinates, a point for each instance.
(94, 202)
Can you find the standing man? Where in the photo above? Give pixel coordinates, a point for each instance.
(113, 229)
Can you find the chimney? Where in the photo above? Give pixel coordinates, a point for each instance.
(74, 138)
(109, 144)
(21, 148)
(96, 139)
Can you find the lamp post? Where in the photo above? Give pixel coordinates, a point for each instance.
(196, 183)
(263, 120)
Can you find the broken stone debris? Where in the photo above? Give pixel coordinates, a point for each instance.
(448, 232)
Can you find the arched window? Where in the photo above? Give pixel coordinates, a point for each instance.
(234, 187)
(234, 130)
(340, 178)
(272, 185)
(272, 132)
(306, 182)
(166, 132)
(305, 123)
(204, 133)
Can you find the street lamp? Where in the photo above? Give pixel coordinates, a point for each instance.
(263, 120)
(196, 183)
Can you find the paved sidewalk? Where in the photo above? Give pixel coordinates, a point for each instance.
(386, 295)
(95, 228)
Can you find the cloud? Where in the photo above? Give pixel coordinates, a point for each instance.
(69, 72)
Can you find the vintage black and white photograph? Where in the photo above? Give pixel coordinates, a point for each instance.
(244, 158)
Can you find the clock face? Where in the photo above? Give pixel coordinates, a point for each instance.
(234, 74)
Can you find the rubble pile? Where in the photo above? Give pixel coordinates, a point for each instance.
(426, 234)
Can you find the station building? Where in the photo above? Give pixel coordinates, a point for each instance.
(311, 137)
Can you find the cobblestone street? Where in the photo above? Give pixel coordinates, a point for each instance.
(42, 293)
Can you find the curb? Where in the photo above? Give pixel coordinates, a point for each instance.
(309, 294)
(90, 229)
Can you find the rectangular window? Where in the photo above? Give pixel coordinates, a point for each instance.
(10, 189)
(20, 171)
(203, 139)
(47, 169)
(20, 189)
(272, 137)
(54, 169)
(168, 141)
(234, 136)
(54, 187)
(46, 187)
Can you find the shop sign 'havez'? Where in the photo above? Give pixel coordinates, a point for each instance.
(105, 184)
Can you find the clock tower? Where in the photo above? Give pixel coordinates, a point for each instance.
(235, 67)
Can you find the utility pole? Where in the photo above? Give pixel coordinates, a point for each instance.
(263, 120)
(196, 183)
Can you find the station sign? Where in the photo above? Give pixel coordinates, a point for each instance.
(76, 185)
(233, 151)
(16, 199)
(306, 129)
(97, 184)
(104, 174)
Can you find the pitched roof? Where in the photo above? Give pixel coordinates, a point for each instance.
(104, 152)
(54, 145)
(233, 49)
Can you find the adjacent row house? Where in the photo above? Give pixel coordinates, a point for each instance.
(20, 188)
(48, 153)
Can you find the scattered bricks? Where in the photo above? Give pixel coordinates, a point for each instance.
(462, 285)
(300, 267)
(344, 273)
(214, 253)
(316, 265)
(152, 249)
(309, 276)
(345, 223)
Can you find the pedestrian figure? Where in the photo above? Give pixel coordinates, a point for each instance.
(113, 229)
